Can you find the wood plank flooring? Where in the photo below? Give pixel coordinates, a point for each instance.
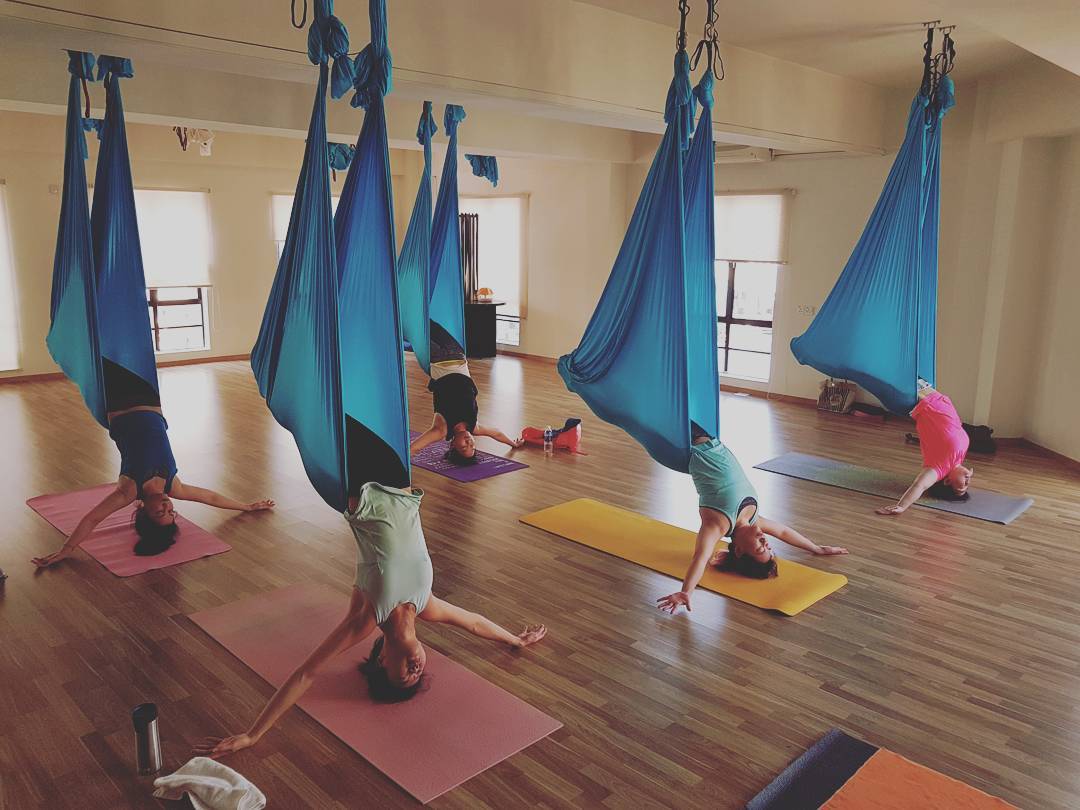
(955, 642)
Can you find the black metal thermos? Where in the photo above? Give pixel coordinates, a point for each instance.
(147, 740)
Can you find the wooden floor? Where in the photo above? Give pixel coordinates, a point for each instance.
(956, 643)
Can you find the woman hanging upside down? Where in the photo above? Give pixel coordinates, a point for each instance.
(728, 507)
(944, 444)
(392, 590)
(454, 395)
(147, 471)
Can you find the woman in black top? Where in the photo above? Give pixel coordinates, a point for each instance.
(454, 399)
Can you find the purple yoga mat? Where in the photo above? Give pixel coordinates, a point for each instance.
(431, 458)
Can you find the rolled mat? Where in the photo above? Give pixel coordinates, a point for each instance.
(446, 734)
(668, 549)
(840, 772)
(112, 543)
(982, 504)
(487, 465)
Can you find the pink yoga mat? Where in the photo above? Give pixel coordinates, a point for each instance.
(113, 542)
(458, 727)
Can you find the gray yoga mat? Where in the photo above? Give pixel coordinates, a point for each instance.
(983, 505)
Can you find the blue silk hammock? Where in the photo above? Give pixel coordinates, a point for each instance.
(647, 361)
(430, 280)
(878, 325)
(414, 263)
(328, 358)
(485, 166)
(99, 317)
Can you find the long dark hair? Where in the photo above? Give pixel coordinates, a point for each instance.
(380, 688)
(458, 460)
(944, 492)
(154, 538)
(747, 566)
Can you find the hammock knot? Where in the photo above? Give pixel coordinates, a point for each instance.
(453, 116)
(114, 67)
(340, 155)
(93, 125)
(81, 65)
(680, 99)
(328, 38)
(372, 80)
(485, 166)
(703, 92)
(427, 126)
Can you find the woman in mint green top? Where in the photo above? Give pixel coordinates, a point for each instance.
(392, 591)
(728, 506)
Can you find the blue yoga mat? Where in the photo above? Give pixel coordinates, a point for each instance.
(982, 504)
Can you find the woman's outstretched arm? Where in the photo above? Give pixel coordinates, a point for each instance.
(497, 435)
(120, 497)
(707, 537)
(443, 612)
(186, 492)
(353, 629)
(926, 479)
(788, 535)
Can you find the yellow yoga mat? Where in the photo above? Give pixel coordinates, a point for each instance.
(668, 549)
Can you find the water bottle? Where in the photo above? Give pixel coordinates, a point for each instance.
(549, 441)
(147, 741)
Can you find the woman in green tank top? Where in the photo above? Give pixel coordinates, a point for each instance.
(728, 506)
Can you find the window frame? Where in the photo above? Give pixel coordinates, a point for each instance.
(726, 321)
(153, 305)
(523, 274)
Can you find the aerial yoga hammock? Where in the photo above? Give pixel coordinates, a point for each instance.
(433, 303)
(100, 327)
(485, 166)
(429, 269)
(647, 361)
(350, 373)
(877, 327)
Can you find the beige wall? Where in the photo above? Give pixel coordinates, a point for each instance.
(241, 175)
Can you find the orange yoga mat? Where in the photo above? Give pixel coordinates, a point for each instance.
(668, 549)
(889, 782)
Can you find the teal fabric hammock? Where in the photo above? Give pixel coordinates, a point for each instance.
(98, 311)
(485, 166)
(328, 358)
(878, 325)
(414, 263)
(430, 280)
(647, 361)
(447, 301)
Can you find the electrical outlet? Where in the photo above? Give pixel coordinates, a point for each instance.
(807, 309)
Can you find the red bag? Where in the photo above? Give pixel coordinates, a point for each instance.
(568, 437)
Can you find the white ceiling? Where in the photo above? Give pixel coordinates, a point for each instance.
(881, 42)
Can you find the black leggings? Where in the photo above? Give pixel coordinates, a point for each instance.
(124, 389)
(443, 346)
(369, 458)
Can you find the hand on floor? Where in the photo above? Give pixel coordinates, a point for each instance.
(532, 634)
(216, 747)
(828, 551)
(259, 506)
(895, 509)
(672, 602)
(51, 559)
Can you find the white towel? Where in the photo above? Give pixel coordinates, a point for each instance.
(211, 786)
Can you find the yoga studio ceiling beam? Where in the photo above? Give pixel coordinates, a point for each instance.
(561, 60)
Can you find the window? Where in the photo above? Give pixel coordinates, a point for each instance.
(501, 258)
(9, 325)
(280, 211)
(178, 318)
(749, 253)
(174, 232)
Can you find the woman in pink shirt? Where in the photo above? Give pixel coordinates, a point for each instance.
(944, 444)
